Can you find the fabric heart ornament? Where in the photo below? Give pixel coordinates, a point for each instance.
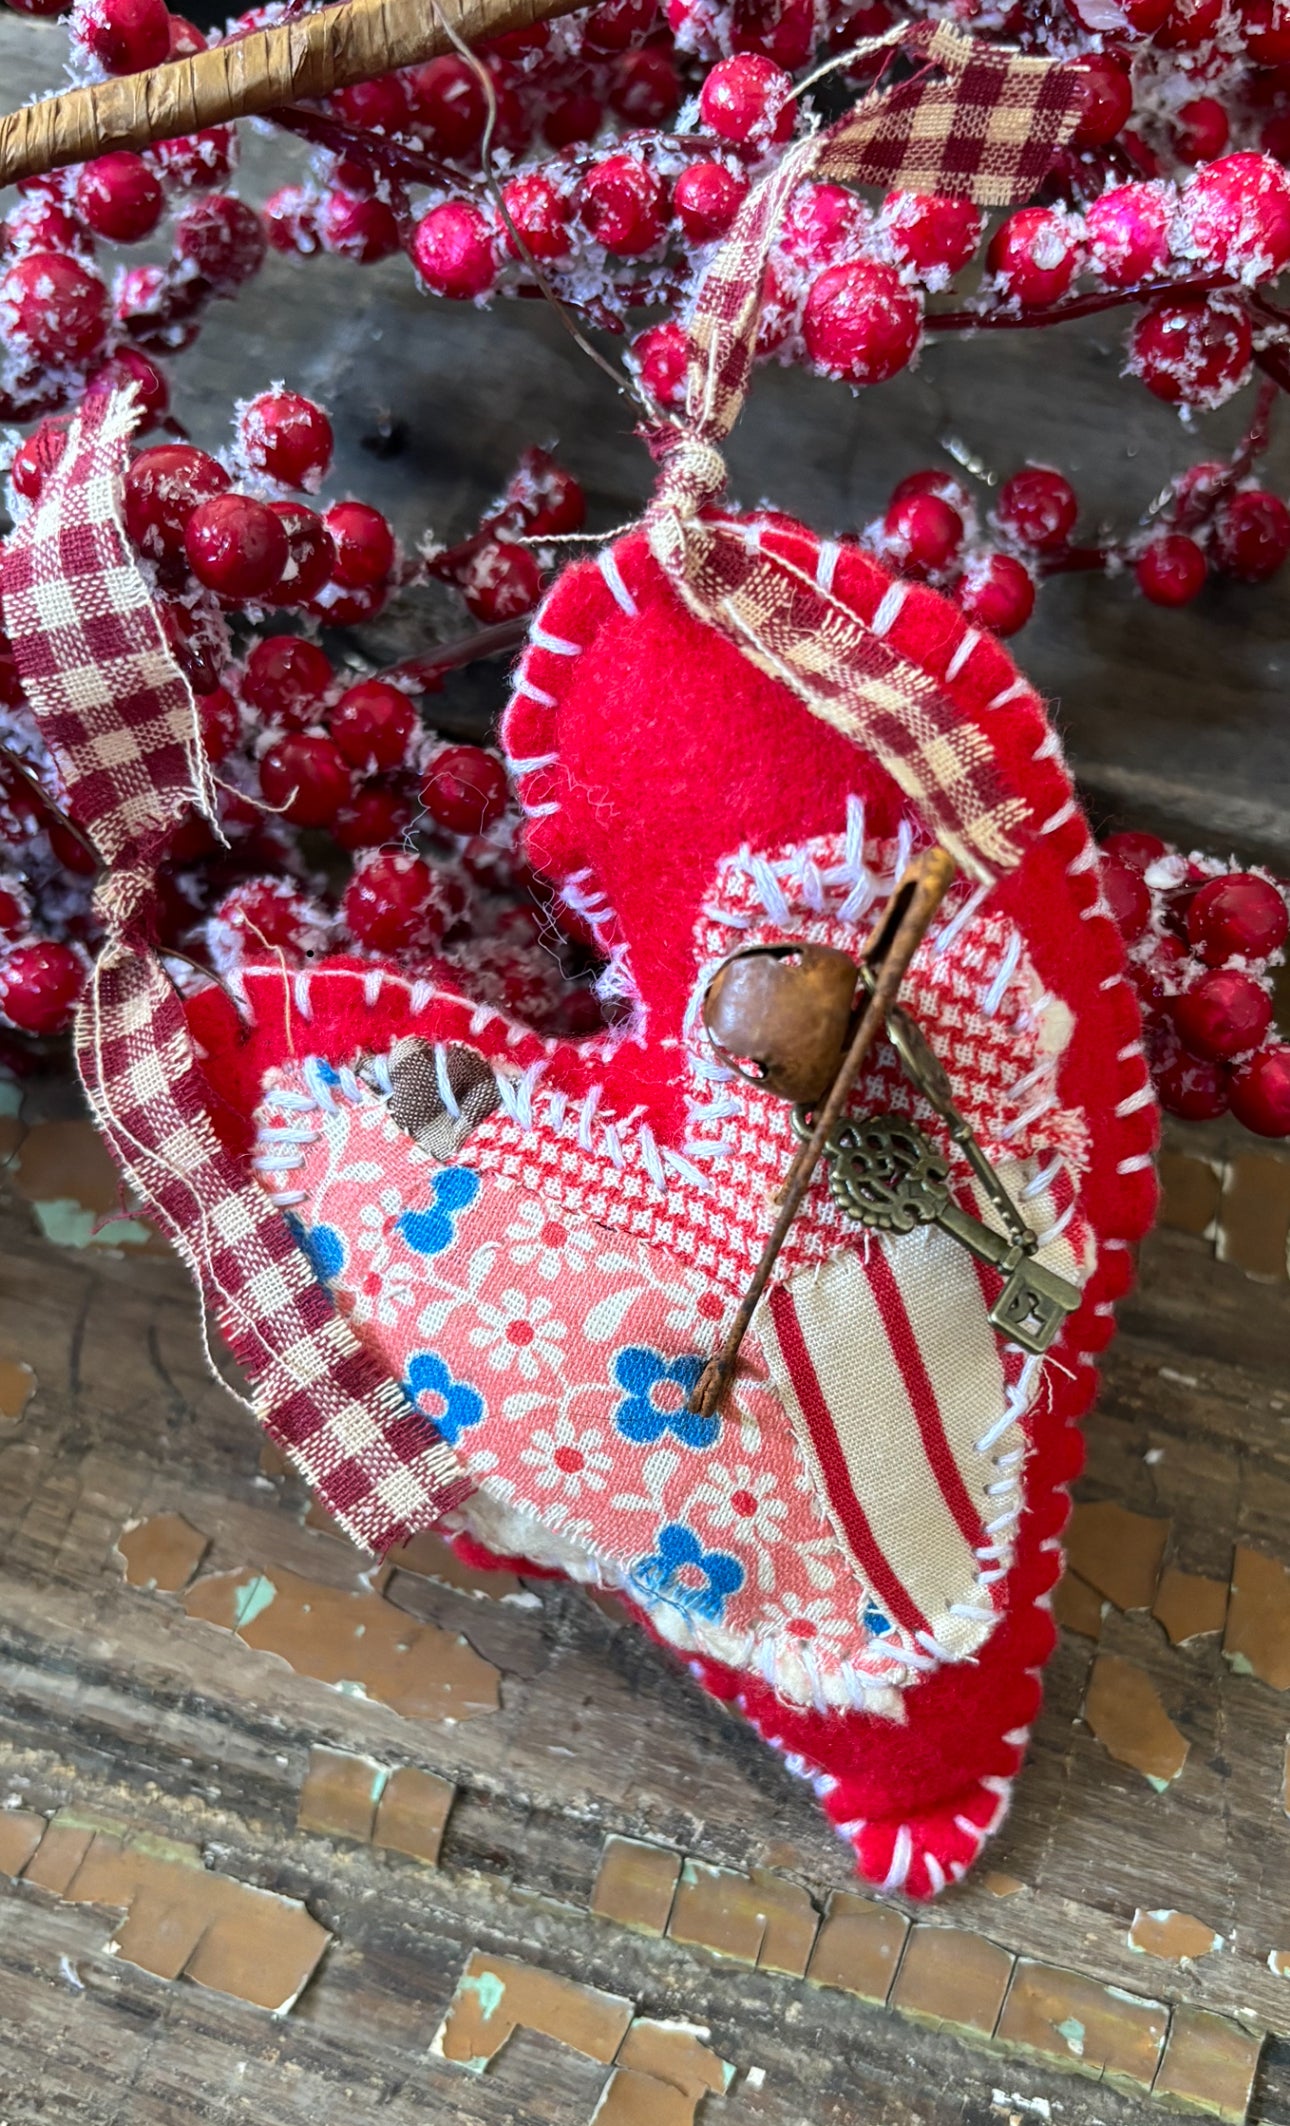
(475, 1273)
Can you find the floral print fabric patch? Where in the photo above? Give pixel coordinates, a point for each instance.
(558, 1357)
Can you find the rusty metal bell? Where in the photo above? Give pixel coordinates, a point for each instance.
(780, 1015)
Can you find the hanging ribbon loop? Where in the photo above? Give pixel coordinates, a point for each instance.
(972, 120)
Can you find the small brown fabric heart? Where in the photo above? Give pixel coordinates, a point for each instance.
(440, 1093)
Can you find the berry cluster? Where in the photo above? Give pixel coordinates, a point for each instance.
(624, 139)
(1204, 939)
(602, 157)
(345, 824)
(1214, 520)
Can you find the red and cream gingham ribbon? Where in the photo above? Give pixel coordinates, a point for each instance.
(120, 719)
(973, 120)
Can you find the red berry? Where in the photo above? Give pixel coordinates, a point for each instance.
(197, 161)
(822, 223)
(706, 198)
(395, 903)
(465, 789)
(34, 460)
(542, 499)
(376, 814)
(222, 239)
(42, 223)
(660, 357)
(305, 777)
(617, 24)
(1039, 507)
(499, 581)
(15, 912)
(646, 88)
(287, 437)
(1197, 492)
(1128, 233)
(930, 481)
(861, 323)
(291, 220)
(337, 607)
(364, 230)
(1192, 350)
(622, 204)
(365, 550)
(1034, 256)
(1225, 1015)
(1261, 1091)
(162, 489)
(266, 918)
(1195, 1090)
(1251, 535)
(197, 641)
(1139, 17)
(1126, 895)
(40, 986)
(1188, 25)
(1200, 129)
(923, 533)
(935, 236)
(540, 214)
(311, 554)
(448, 106)
(158, 311)
(70, 850)
(746, 100)
(1134, 849)
(1265, 27)
(287, 679)
(221, 724)
(119, 197)
(372, 723)
(453, 249)
(1172, 570)
(235, 546)
(1108, 99)
(1240, 914)
(998, 592)
(186, 40)
(52, 310)
(125, 36)
(376, 106)
(573, 119)
(127, 366)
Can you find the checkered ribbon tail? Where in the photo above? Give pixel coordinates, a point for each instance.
(972, 120)
(121, 720)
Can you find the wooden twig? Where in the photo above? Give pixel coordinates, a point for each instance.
(307, 56)
(901, 930)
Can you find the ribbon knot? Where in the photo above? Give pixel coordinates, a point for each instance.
(691, 478)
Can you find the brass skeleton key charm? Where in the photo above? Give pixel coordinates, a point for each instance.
(887, 1174)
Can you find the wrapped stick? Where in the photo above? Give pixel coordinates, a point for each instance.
(308, 56)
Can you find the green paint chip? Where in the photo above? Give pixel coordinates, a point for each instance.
(1074, 2033)
(489, 1990)
(69, 1225)
(251, 1601)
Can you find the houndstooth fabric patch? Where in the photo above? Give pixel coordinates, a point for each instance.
(973, 120)
(120, 717)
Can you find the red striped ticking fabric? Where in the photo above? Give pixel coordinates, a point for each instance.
(891, 1375)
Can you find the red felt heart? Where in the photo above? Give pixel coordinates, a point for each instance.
(859, 1552)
